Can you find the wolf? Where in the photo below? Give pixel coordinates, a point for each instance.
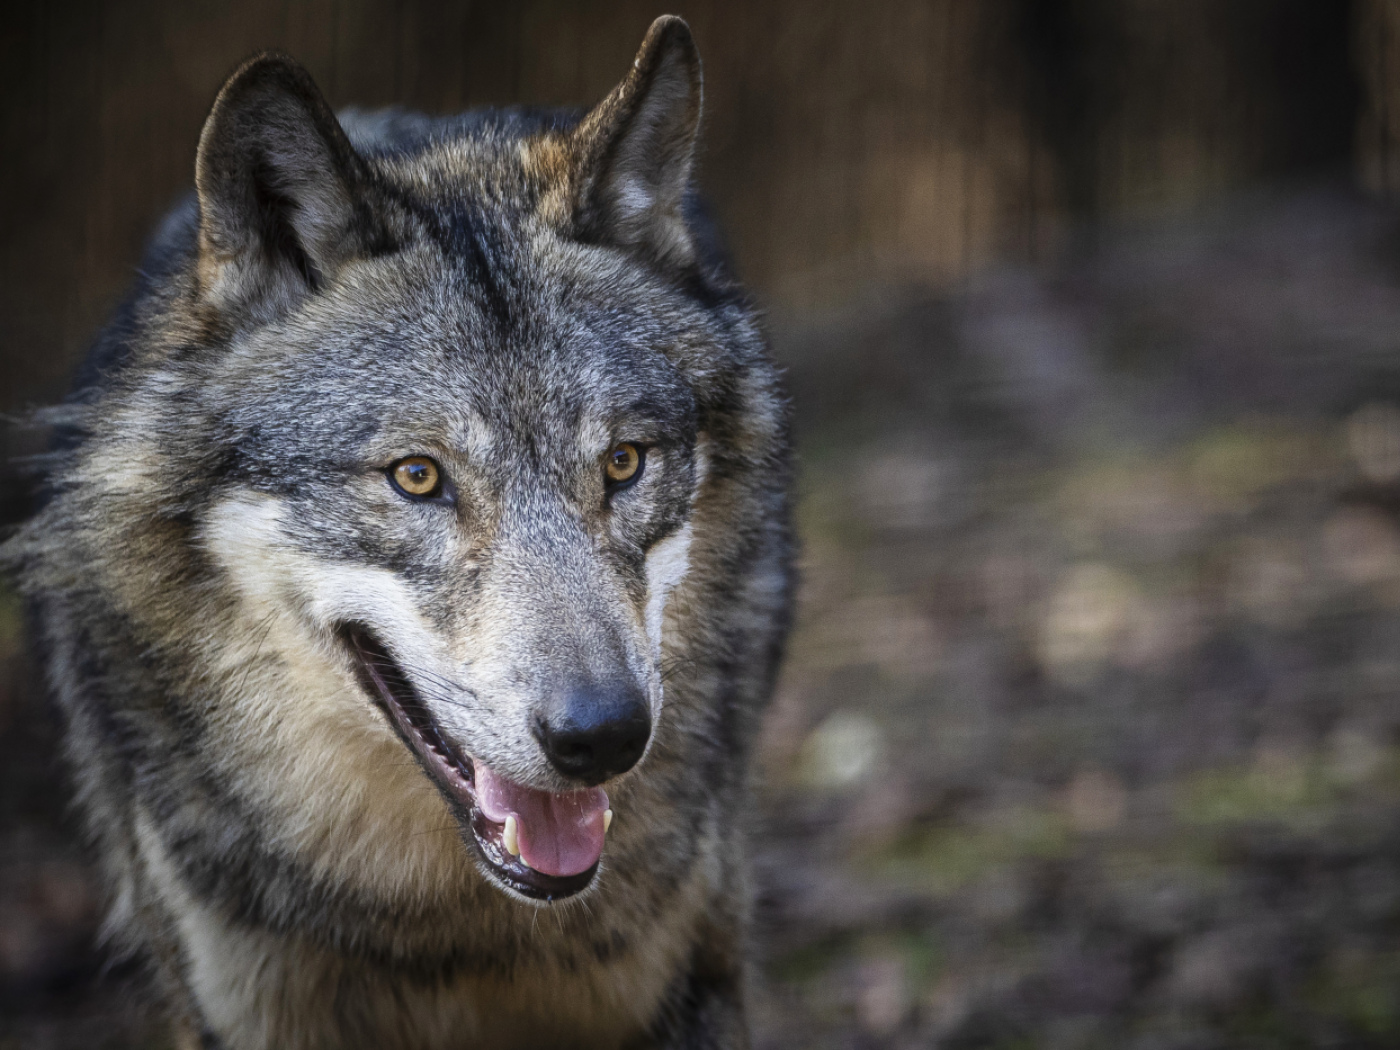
(413, 568)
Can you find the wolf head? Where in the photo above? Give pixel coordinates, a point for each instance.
(441, 419)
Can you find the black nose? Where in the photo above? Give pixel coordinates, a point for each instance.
(595, 732)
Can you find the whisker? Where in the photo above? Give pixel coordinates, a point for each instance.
(394, 674)
(437, 831)
(257, 650)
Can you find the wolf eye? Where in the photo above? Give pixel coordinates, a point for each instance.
(416, 476)
(622, 463)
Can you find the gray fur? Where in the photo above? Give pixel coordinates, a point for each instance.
(509, 293)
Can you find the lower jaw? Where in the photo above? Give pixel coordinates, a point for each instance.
(512, 872)
(453, 774)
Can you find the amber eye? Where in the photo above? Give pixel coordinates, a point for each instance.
(622, 463)
(416, 476)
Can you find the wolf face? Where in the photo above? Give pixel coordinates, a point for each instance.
(507, 616)
(421, 535)
(489, 542)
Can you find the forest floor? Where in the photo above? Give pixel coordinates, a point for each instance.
(1089, 734)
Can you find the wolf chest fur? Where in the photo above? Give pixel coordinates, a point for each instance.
(412, 574)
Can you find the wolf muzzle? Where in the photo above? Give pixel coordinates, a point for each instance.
(595, 732)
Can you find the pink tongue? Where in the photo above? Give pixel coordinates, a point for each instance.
(560, 833)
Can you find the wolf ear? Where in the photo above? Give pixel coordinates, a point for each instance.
(278, 184)
(635, 149)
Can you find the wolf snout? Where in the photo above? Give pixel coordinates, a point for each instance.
(594, 732)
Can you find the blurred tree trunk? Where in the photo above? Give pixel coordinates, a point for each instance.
(1378, 127)
(1161, 102)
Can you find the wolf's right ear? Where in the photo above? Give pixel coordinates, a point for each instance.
(280, 191)
(635, 150)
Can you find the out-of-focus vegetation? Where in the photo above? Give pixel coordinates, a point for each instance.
(1090, 733)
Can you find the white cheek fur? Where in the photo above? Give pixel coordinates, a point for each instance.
(668, 562)
(666, 565)
(304, 743)
(244, 534)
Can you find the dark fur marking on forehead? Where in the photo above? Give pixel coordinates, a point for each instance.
(464, 233)
(671, 407)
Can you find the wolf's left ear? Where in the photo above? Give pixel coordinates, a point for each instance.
(280, 191)
(635, 148)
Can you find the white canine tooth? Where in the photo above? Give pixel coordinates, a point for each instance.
(511, 836)
(607, 820)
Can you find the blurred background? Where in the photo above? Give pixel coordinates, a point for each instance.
(1090, 732)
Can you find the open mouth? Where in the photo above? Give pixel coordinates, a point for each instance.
(541, 844)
